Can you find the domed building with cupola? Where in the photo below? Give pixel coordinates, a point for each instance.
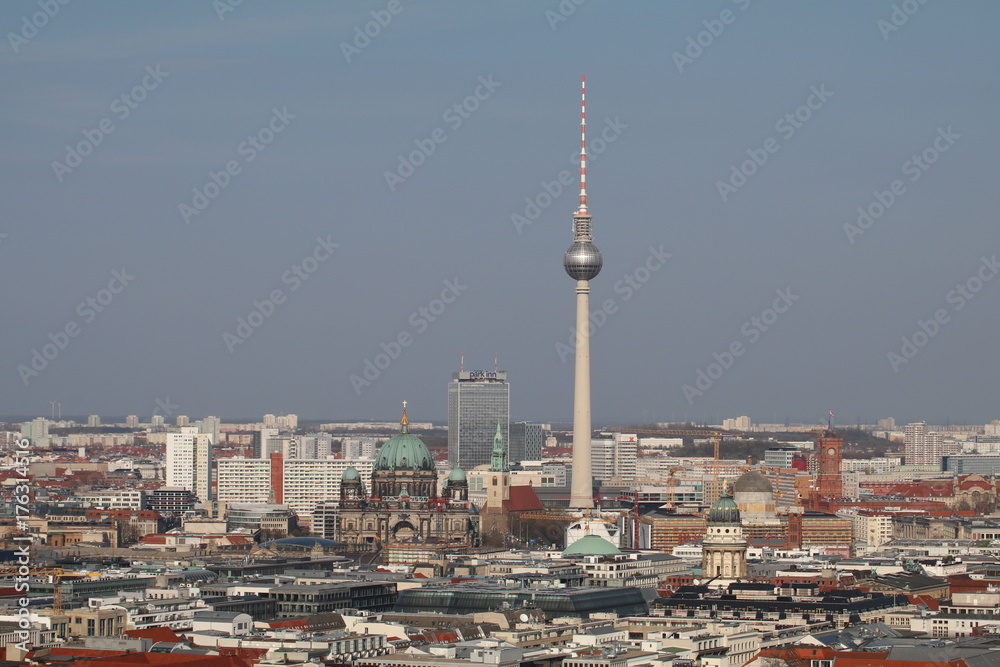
(406, 515)
(724, 547)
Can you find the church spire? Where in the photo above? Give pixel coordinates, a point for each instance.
(498, 461)
(404, 423)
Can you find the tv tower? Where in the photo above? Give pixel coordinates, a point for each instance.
(582, 262)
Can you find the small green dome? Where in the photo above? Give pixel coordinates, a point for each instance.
(457, 475)
(351, 475)
(724, 511)
(591, 545)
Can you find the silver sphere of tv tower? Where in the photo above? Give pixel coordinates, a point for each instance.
(583, 260)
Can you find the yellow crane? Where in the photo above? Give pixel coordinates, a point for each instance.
(54, 575)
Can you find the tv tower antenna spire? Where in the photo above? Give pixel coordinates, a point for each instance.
(583, 144)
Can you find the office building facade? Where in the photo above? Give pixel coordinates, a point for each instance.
(525, 442)
(476, 401)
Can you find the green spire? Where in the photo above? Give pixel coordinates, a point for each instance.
(498, 462)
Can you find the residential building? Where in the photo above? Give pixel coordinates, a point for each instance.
(615, 458)
(113, 499)
(307, 482)
(921, 447)
(242, 480)
(189, 461)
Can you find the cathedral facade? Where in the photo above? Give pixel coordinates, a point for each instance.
(406, 509)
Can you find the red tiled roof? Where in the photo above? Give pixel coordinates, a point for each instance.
(925, 600)
(84, 652)
(806, 655)
(523, 499)
(166, 659)
(160, 634)
(251, 655)
(915, 490)
(292, 623)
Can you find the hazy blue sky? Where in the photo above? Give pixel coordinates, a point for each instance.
(339, 110)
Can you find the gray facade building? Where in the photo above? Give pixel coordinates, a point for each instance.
(525, 442)
(476, 401)
(965, 464)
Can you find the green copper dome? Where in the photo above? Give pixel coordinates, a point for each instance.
(724, 511)
(457, 475)
(351, 475)
(591, 545)
(404, 451)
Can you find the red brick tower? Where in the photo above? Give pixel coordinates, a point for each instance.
(829, 483)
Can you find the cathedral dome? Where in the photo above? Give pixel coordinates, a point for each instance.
(752, 481)
(457, 475)
(404, 451)
(351, 474)
(724, 511)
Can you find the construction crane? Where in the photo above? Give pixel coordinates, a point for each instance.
(54, 575)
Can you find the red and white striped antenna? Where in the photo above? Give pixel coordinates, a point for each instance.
(583, 144)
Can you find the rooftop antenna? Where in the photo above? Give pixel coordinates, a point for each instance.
(461, 366)
(495, 355)
(53, 403)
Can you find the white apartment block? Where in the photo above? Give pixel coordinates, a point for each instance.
(739, 424)
(189, 461)
(874, 466)
(113, 499)
(243, 480)
(305, 482)
(308, 482)
(354, 448)
(37, 429)
(615, 458)
(873, 530)
(924, 448)
(210, 425)
(660, 444)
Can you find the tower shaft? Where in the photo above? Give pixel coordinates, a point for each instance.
(581, 493)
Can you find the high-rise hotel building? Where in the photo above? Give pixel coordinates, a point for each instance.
(477, 400)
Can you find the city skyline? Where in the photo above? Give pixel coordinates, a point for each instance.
(255, 211)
